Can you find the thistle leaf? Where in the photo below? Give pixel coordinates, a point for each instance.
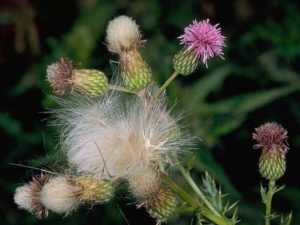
(263, 193)
(217, 198)
(286, 220)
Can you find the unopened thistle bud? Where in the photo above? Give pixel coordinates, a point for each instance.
(135, 72)
(201, 41)
(159, 201)
(124, 38)
(93, 189)
(185, 62)
(90, 82)
(64, 78)
(271, 138)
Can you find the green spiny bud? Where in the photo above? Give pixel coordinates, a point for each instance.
(90, 82)
(135, 71)
(64, 78)
(94, 189)
(162, 204)
(185, 62)
(272, 165)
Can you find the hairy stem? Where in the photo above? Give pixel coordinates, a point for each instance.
(269, 202)
(197, 190)
(196, 206)
(167, 83)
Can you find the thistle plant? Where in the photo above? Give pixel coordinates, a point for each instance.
(124, 134)
(272, 139)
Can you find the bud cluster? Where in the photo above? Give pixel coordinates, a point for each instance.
(112, 136)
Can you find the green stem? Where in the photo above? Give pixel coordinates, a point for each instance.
(179, 191)
(198, 208)
(185, 210)
(119, 88)
(269, 202)
(194, 186)
(167, 82)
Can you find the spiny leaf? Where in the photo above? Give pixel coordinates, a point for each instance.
(286, 220)
(279, 188)
(216, 197)
(263, 193)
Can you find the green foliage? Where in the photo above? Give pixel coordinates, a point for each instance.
(283, 35)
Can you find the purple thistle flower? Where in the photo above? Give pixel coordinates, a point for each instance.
(203, 39)
(270, 135)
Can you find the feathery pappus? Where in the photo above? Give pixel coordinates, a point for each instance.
(113, 138)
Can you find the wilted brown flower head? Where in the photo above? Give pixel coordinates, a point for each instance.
(269, 135)
(27, 196)
(59, 75)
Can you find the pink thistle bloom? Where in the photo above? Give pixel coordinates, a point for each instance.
(203, 39)
(271, 137)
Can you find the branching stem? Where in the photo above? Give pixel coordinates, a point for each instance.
(197, 190)
(167, 83)
(122, 89)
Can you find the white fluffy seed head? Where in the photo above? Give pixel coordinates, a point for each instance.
(116, 135)
(144, 183)
(59, 195)
(23, 197)
(122, 34)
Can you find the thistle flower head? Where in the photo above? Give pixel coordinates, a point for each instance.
(60, 195)
(144, 183)
(64, 78)
(93, 189)
(203, 39)
(147, 188)
(27, 196)
(271, 137)
(161, 205)
(270, 134)
(111, 137)
(59, 75)
(122, 34)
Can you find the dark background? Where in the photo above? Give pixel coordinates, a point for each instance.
(257, 82)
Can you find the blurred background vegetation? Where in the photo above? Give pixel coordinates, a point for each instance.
(258, 81)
